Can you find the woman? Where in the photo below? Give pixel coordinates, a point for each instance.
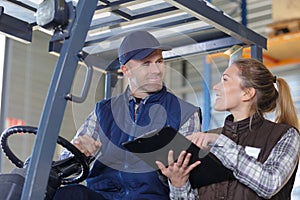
(262, 155)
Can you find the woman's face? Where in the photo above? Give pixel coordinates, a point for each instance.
(229, 93)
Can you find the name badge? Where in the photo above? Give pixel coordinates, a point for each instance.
(252, 151)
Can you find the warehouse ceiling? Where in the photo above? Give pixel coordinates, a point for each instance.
(259, 13)
(175, 22)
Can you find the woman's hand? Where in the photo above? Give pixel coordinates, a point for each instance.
(87, 145)
(203, 140)
(177, 172)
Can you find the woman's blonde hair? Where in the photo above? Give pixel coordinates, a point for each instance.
(255, 74)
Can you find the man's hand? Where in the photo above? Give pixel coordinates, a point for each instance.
(178, 172)
(87, 145)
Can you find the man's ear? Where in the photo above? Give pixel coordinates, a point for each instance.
(249, 93)
(124, 69)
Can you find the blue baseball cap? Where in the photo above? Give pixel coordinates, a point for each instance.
(138, 45)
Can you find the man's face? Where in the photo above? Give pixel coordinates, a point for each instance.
(145, 76)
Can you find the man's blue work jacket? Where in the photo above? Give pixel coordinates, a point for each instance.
(117, 173)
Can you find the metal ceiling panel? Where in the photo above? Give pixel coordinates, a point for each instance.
(22, 10)
(15, 28)
(174, 22)
(120, 16)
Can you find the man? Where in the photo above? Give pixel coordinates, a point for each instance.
(144, 106)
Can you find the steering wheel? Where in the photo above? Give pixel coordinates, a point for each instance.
(61, 170)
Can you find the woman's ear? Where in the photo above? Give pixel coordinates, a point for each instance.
(249, 93)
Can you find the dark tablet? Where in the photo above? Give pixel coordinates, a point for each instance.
(155, 145)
